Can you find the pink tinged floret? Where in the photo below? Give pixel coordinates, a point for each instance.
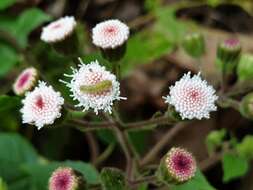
(110, 31)
(62, 179)
(56, 26)
(181, 164)
(231, 42)
(23, 79)
(39, 102)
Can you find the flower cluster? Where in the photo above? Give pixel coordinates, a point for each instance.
(192, 97)
(110, 34)
(64, 178)
(180, 164)
(94, 87)
(42, 106)
(58, 30)
(25, 81)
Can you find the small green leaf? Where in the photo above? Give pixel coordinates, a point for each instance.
(234, 166)
(215, 139)
(199, 182)
(6, 3)
(245, 148)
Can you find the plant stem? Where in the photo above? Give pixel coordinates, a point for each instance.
(102, 157)
(124, 143)
(143, 124)
(90, 126)
(151, 155)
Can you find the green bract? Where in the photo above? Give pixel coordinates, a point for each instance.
(245, 67)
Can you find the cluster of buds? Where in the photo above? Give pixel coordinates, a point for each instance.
(177, 166)
(65, 178)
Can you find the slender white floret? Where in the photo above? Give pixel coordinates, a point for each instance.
(25, 81)
(42, 106)
(192, 97)
(58, 30)
(110, 34)
(94, 87)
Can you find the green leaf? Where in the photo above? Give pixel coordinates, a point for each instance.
(199, 182)
(8, 57)
(15, 150)
(245, 148)
(234, 166)
(38, 174)
(6, 3)
(8, 102)
(215, 139)
(145, 47)
(27, 22)
(9, 112)
(245, 67)
(167, 23)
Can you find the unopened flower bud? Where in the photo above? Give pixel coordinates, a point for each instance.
(112, 179)
(228, 52)
(245, 67)
(111, 37)
(65, 178)
(194, 44)
(177, 166)
(246, 106)
(26, 80)
(62, 36)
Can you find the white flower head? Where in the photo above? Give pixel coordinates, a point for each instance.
(94, 87)
(58, 30)
(25, 81)
(42, 106)
(110, 34)
(192, 97)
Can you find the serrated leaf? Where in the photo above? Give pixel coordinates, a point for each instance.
(6, 3)
(199, 182)
(234, 166)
